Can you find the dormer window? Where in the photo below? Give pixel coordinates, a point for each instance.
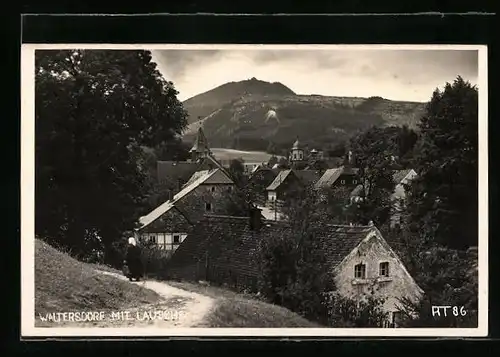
(360, 271)
(384, 269)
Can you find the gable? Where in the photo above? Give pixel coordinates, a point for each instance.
(218, 177)
(372, 251)
(171, 221)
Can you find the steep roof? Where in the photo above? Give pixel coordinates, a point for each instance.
(168, 205)
(357, 191)
(308, 177)
(399, 175)
(329, 177)
(201, 142)
(226, 241)
(172, 171)
(279, 179)
(229, 243)
(339, 240)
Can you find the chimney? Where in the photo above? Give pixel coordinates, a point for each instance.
(255, 218)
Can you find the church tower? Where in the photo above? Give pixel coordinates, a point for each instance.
(200, 147)
(297, 152)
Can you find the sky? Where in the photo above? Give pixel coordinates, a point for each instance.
(409, 75)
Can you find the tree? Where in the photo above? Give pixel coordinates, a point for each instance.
(237, 171)
(283, 163)
(94, 111)
(173, 150)
(293, 266)
(444, 195)
(448, 277)
(273, 160)
(372, 151)
(238, 202)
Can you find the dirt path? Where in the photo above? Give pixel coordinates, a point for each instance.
(180, 308)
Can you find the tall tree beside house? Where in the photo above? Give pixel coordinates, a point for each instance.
(292, 265)
(237, 172)
(444, 195)
(447, 276)
(372, 151)
(95, 109)
(238, 202)
(294, 272)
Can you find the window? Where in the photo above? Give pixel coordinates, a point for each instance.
(152, 239)
(354, 182)
(342, 182)
(360, 271)
(384, 269)
(208, 207)
(229, 189)
(213, 188)
(177, 238)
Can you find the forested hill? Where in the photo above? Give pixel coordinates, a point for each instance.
(253, 114)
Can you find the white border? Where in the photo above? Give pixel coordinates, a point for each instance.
(28, 328)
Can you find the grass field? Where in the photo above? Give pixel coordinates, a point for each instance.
(236, 310)
(247, 156)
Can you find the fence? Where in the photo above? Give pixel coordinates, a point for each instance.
(218, 275)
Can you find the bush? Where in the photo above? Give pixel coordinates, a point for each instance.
(154, 260)
(346, 312)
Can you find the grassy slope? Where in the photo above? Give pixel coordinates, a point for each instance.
(236, 310)
(65, 284)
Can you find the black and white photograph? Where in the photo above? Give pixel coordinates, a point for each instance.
(254, 190)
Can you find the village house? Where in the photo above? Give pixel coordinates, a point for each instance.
(401, 178)
(345, 176)
(259, 180)
(168, 224)
(172, 175)
(289, 182)
(224, 249)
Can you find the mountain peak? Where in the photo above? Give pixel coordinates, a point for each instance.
(206, 103)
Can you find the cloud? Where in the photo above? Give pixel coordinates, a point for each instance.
(394, 74)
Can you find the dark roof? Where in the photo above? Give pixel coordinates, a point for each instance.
(308, 177)
(171, 171)
(330, 176)
(339, 240)
(229, 243)
(226, 241)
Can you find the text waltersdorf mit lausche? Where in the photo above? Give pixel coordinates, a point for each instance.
(95, 316)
